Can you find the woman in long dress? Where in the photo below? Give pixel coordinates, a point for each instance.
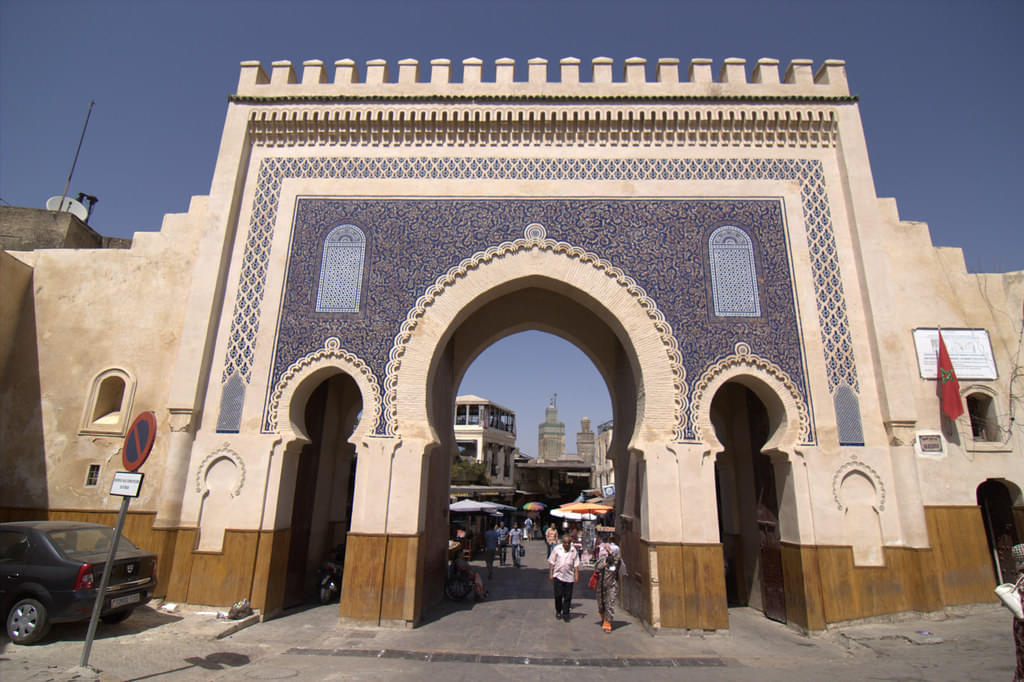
(609, 568)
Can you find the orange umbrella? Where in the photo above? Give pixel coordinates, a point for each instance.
(586, 508)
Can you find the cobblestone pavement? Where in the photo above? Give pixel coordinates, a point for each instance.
(514, 634)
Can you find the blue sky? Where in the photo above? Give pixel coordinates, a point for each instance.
(939, 82)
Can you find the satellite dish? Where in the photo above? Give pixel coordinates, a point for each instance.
(69, 205)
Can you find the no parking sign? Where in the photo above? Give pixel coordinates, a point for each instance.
(139, 441)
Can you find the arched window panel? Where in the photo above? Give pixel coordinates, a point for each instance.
(109, 404)
(848, 420)
(733, 273)
(232, 399)
(341, 271)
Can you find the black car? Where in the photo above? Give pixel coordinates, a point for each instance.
(50, 572)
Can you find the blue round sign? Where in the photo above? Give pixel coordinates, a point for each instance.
(139, 441)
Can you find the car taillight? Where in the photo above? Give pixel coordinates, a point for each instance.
(84, 581)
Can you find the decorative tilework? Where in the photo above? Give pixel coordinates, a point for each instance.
(830, 299)
(341, 270)
(653, 247)
(232, 398)
(848, 416)
(733, 273)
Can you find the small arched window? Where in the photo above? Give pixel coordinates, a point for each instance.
(109, 404)
(733, 273)
(984, 422)
(341, 271)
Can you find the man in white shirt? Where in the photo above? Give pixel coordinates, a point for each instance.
(515, 539)
(564, 572)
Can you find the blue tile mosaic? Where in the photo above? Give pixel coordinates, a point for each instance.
(659, 243)
(827, 279)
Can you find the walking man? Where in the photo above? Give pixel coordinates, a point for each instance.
(490, 548)
(515, 539)
(502, 542)
(563, 572)
(551, 537)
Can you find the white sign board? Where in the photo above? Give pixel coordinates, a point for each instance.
(126, 484)
(970, 351)
(608, 491)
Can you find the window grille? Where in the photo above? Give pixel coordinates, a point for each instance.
(341, 271)
(733, 273)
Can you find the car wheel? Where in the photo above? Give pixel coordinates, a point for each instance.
(116, 617)
(27, 621)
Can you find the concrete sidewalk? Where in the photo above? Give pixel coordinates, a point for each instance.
(514, 634)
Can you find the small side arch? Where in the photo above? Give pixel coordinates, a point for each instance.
(789, 422)
(304, 375)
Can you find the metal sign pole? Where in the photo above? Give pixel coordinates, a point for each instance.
(107, 570)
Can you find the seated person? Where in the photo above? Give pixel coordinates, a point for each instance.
(461, 566)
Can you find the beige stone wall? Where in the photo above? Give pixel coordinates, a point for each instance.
(930, 286)
(92, 311)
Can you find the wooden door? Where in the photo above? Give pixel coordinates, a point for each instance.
(296, 591)
(773, 591)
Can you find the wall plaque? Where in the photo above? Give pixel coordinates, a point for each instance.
(969, 349)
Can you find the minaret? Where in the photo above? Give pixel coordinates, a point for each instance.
(550, 434)
(585, 443)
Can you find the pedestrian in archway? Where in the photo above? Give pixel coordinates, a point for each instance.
(551, 537)
(515, 543)
(609, 569)
(490, 549)
(502, 542)
(564, 572)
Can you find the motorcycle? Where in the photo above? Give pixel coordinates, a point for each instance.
(330, 575)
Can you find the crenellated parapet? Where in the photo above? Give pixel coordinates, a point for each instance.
(412, 108)
(799, 80)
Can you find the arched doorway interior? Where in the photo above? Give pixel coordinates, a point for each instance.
(324, 476)
(996, 504)
(526, 304)
(748, 505)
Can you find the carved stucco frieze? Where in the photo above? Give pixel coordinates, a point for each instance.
(223, 452)
(742, 357)
(331, 353)
(855, 465)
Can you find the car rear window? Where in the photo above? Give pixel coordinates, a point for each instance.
(72, 542)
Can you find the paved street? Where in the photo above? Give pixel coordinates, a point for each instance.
(514, 635)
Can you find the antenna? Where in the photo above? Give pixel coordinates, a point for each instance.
(75, 160)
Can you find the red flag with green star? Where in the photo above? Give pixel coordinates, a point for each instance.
(949, 387)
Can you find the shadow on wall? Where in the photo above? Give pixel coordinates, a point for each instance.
(22, 450)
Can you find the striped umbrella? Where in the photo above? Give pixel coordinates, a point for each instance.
(534, 506)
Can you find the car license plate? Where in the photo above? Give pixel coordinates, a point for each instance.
(124, 601)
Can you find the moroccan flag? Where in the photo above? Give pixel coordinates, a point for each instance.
(949, 387)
